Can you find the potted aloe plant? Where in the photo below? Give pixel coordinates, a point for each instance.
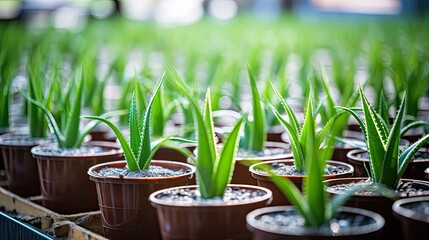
(20, 166)
(253, 145)
(312, 214)
(420, 160)
(62, 166)
(387, 164)
(123, 187)
(299, 136)
(214, 208)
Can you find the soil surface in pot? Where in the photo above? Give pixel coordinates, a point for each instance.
(153, 171)
(291, 220)
(24, 140)
(290, 170)
(246, 153)
(82, 151)
(232, 195)
(404, 189)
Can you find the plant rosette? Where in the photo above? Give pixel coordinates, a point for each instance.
(183, 214)
(375, 201)
(358, 158)
(284, 222)
(413, 213)
(20, 166)
(65, 186)
(123, 196)
(286, 168)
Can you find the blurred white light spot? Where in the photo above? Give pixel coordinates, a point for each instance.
(177, 12)
(137, 9)
(69, 18)
(102, 8)
(9, 9)
(335, 227)
(361, 6)
(223, 9)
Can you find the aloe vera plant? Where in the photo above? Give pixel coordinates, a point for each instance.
(36, 119)
(140, 148)
(67, 129)
(214, 166)
(255, 132)
(313, 203)
(300, 135)
(387, 161)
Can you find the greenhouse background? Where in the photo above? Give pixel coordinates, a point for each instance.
(110, 107)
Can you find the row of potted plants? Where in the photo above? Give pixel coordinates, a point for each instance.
(140, 149)
(211, 145)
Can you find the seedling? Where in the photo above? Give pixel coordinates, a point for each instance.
(301, 135)
(69, 134)
(214, 166)
(387, 161)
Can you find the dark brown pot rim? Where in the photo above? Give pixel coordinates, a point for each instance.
(266, 176)
(334, 181)
(352, 155)
(94, 176)
(104, 144)
(18, 135)
(267, 197)
(360, 230)
(398, 208)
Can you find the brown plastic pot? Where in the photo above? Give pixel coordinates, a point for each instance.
(20, 166)
(65, 186)
(125, 209)
(241, 174)
(415, 225)
(415, 169)
(263, 231)
(264, 180)
(376, 203)
(207, 221)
